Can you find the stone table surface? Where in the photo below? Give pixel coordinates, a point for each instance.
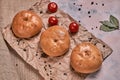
(87, 12)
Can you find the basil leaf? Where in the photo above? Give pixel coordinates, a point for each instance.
(106, 28)
(107, 23)
(114, 21)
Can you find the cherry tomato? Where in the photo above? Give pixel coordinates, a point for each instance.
(52, 7)
(73, 27)
(52, 21)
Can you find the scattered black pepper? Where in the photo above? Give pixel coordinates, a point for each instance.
(79, 21)
(44, 55)
(45, 68)
(47, 74)
(103, 4)
(41, 12)
(88, 12)
(92, 3)
(44, 61)
(90, 39)
(65, 73)
(89, 16)
(51, 79)
(81, 5)
(31, 9)
(96, 27)
(49, 65)
(45, 65)
(79, 9)
(16, 64)
(24, 49)
(18, 40)
(103, 45)
(96, 3)
(55, 40)
(92, 28)
(59, 63)
(73, 3)
(36, 54)
(50, 73)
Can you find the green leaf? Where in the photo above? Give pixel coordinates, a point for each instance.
(114, 21)
(106, 28)
(107, 23)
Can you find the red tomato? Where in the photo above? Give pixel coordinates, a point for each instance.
(73, 27)
(52, 21)
(52, 7)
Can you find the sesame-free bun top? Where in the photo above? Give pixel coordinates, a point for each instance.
(26, 24)
(86, 58)
(55, 41)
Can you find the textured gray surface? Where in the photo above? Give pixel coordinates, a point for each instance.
(111, 67)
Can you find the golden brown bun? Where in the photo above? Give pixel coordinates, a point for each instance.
(86, 58)
(26, 24)
(55, 41)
